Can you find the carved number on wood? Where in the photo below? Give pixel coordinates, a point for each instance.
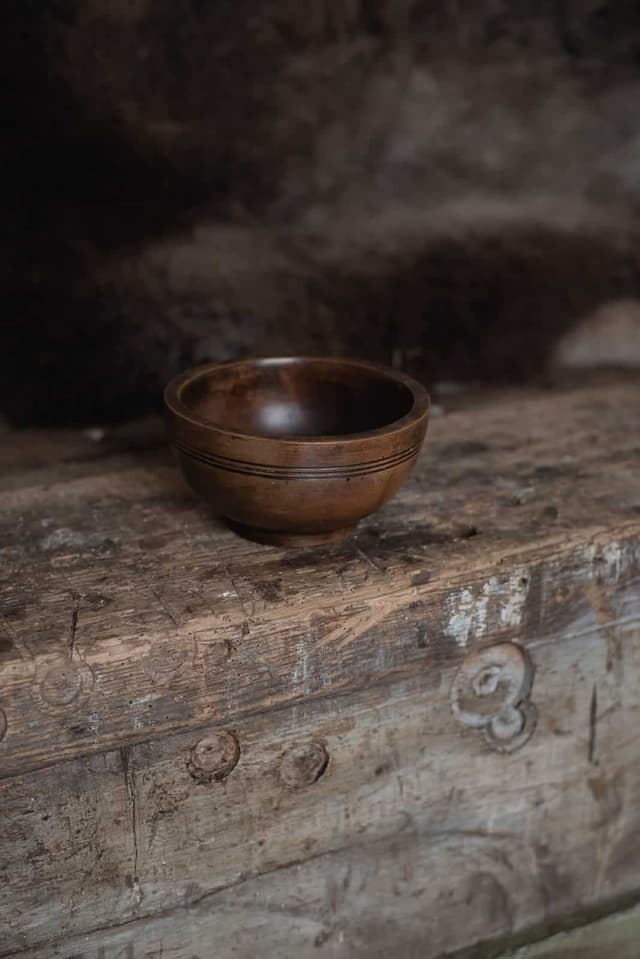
(490, 692)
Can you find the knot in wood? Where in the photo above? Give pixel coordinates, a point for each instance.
(490, 692)
(304, 765)
(214, 757)
(3, 724)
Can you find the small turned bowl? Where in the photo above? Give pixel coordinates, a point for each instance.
(295, 450)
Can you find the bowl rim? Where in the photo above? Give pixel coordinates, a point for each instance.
(419, 408)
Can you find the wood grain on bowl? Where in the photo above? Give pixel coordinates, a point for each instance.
(295, 450)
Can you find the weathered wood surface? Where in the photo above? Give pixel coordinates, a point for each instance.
(135, 627)
(416, 837)
(128, 613)
(617, 936)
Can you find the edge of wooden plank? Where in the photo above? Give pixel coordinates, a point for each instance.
(619, 931)
(426, 627)
(618, 916)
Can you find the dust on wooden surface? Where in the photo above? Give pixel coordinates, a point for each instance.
(129, 612)
(415, 836)
(366, 810)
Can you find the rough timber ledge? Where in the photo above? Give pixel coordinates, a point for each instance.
(426, 734)
(129, 613)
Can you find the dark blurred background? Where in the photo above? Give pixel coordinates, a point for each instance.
(449, 185)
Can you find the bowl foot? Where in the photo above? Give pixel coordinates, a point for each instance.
(270, 537)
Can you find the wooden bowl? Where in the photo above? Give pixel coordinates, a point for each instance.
(295, 450)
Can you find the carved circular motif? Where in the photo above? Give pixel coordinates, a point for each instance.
(166, 659)
(213, 757)
(61, 685)
(64, 686)
(490, 691)
(304, 765)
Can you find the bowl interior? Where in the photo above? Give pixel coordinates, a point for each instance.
(297, 397)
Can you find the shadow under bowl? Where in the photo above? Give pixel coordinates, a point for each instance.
(295, 450)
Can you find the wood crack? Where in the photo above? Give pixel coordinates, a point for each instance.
(593, 724)
(130, 785)
(74, 625)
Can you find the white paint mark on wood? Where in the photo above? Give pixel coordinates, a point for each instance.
(469, 611)
(463, 611)
(517, 590)
(302, 672)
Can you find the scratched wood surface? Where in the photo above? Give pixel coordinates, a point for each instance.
(128, 612)
(416, 836)
(135, 627)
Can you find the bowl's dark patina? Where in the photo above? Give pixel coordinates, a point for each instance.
(295, 450)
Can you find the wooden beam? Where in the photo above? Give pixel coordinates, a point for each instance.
(128, 613)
